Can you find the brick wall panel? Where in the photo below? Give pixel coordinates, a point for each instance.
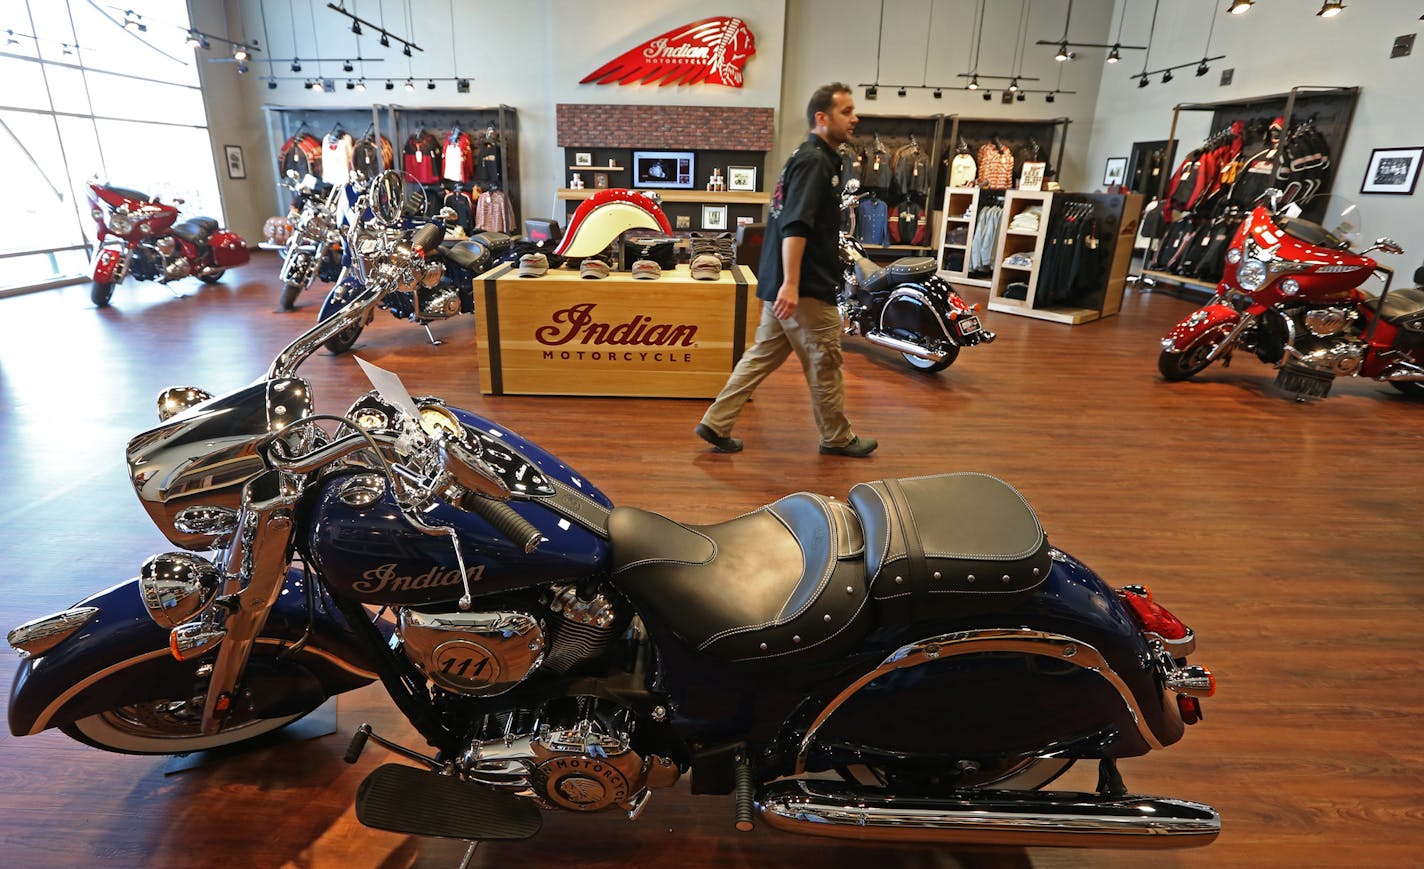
(712, 128)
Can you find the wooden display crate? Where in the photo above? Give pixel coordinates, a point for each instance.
(559, 334)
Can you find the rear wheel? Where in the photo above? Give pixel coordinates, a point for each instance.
(342, 341)
(101, 292)
(289, 296)
(212, 277)
(1411, 388)
(168, 726)
(1181, 364)
(929, 366)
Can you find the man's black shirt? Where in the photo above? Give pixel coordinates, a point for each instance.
(805, 205)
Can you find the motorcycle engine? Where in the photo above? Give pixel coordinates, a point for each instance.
(436, 303)
(146, 264)
(1324, 341)
(1324, 322)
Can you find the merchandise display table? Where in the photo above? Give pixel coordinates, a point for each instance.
(560, 334)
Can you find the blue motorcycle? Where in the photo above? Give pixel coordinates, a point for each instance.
(913, 663)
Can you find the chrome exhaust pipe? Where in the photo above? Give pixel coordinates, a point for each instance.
(896, 344)
(1027, 818)
(1403, 371)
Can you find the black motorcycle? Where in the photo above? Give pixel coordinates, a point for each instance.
(314, 249)
(913, 663)
(904, 306)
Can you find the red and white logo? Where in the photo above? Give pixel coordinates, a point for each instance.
(712, 50)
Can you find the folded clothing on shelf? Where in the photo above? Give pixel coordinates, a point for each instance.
(720, 245)
(1016, 290)
(1026, 220)
(1020, 260)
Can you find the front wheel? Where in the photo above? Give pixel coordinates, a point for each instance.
(1411, 388)
(101, 292)
(289, 296)
(342, 341)
(168, 726)
(212, 277)
(929, 366)
(1181, 364)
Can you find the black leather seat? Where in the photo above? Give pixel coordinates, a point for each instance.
(905, 270)
(784, 583)
(1400, 305)
(469, 255)
(196, 230)
(1310, 233)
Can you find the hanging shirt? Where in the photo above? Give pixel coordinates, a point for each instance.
(336, 151)
(996, 167)
(962, 170)
(872, 221)
(487, 167)
(459, 158)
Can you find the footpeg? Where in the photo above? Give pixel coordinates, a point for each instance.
(403, 799)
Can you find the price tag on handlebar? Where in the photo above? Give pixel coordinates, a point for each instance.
(391, 389)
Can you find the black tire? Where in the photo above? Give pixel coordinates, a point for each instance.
(166, 727)
(921, 364)
(289, 296)
(101, 292)
(1179, 365)
(1411, 388)
(212, 277)
(342, 341)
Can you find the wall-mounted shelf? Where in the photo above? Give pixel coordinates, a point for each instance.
(598, 168)
(740, 197)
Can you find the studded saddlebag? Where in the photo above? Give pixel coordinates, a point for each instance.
(948, 545)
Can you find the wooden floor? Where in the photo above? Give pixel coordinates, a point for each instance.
(1287, 535)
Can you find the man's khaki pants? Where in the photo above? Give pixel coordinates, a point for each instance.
(814, 334)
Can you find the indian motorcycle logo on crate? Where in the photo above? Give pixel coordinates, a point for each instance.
(580, 335)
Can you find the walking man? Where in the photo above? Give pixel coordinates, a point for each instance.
(797, 281)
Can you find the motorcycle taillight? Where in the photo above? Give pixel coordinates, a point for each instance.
(1153, 616)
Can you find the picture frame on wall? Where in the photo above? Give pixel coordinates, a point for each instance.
(236, 168)
(1032, 176)
(600, 180)
(1116, 171)
(741, 178)
(714, 217)
(583, 158)
(1392, 170)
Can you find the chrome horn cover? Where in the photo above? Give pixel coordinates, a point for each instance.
(176, 587)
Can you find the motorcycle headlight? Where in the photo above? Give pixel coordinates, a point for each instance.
(1290, 286)
(1233, 256)
(120, 224)
(1251, 275)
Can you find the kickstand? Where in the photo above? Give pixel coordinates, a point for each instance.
(1109, 780)
(433, 339)
(469, 855)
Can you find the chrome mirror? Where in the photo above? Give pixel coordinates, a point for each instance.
(1388, 245)
(388, 196)
(176, 399)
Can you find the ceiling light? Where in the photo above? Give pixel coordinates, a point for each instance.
(347, 67)
(430, 85)
(409, 85)
(355, 27)
(1114, 56)
(390, 85)
(988, 95)
(1166, 76)
(242, 67)
(271, 84)
(351, 85)
(1048, 98)
(385, 41)
(1014, 86)
(296, 65)
(462, 85)
(900, 92)
(361, 85)
(406, 50)
(1142, 82)
(1020, 96)
(1062, 54)
(309, 85)
(1202, 69)
(239, 53)
(974, 83)
(1330, 8)
(938, 94)
(871, 92)
(193, 40)
(1240, 7)
(64, 47)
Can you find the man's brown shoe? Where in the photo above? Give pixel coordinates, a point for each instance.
(721, 444)
(858, 448)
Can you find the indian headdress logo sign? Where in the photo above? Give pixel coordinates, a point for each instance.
(712, 50)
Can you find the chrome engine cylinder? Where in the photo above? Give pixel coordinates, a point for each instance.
(1324, 322)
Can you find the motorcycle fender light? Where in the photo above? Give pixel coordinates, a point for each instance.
(1190, 708)
(194, 640)
(1233, 256)
(1155, 618)
(1194, 681)
(1290, 286)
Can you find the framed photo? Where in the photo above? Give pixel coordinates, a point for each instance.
(1392, 170)
(741, 178)
(235, 167)
(1116, 172)
(600, 180)
(583, 158)
(714, 217)
(684, 221)
(1032, 176)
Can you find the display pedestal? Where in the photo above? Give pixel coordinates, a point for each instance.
(319, 722)
(559, 334)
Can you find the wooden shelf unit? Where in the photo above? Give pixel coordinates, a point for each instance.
(1011, 242)
(960, 209)
(740, 197)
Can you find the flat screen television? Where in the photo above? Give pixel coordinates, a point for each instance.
(663, 169)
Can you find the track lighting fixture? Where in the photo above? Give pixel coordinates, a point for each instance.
(1014, 86)
(66, 48)
(1063, 53)
(1020, 96)
(385, 41)
(10, 38)
(356, 27)
(1049, 97)
(430, 85)
(462, 85)
(239, 53)
(390, 85)
(871, 92)
(296, 65)
(1202, 69)
(242, 67)
(1240, 7)
(1115, 55)
(406, 49)
(938, 94)
(409, 85)
(309, 85)
(193, 41)
(1166, 76)
(271, 84)
(361, 85)
(900, 92)
(351, 85)
(134, 21)
(974, 83)
(988, 95)
(1330, 8)
(347, 66)
(1142, 82)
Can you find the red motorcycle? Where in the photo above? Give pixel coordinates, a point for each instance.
(1291, 293)
(140, 236)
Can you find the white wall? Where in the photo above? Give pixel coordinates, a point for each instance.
(528, 55)
(1279, 44)
(932, 41)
